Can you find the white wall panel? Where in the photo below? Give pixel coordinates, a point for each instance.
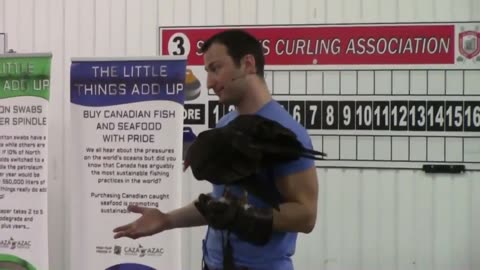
(117, 22)
(334, 11)
(407, 10)
(214, 12)
(282, 11)
(474, 8)
(166, 11)
(182, 12)
(370, 11)
(103, 27)
(405, 207)
(387, 11)
(265, 12)
(353, 13)
(369, 247)
(317, 11)
(232, 12)
(133, 28)
(387, 219)
(299, 11)
(443, 10)
(58, 205)
(3, 18)
(148, 25)
(461, 226)
(461, 10)
(333, 219)
(86, 28)
(367, 219)
(248, 12)
(442, 223)
(425, 11)
(70, 48)
(11, 23)
(350, 220)
(474, 222)
(41, 23)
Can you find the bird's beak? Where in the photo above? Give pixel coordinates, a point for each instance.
(186, 164)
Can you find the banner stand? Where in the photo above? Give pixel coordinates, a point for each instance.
(127, 126)
(24, 102)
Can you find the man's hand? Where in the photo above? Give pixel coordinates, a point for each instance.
(151, 222)
(250, 224)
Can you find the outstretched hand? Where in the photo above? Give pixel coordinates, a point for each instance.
(151, 222)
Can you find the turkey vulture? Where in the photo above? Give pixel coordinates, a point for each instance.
(236, 153)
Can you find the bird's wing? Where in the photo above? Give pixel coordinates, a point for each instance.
(242, 148)
(219, 157)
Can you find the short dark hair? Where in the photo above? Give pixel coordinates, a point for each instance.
(239, 43)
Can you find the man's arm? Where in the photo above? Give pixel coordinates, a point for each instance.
(299, 212)
(187, 216)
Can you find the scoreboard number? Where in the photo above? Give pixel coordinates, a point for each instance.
(381, 115)
(313, 115)
(346, 119)
(472, 115)
(297, 110)
(364, 115)
(399, 115)
(417, 116)
(454, 116)
(435, 115)
(215, 112)
(330, 115)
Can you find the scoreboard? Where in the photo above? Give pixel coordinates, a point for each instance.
(410, 111)
(376, 96)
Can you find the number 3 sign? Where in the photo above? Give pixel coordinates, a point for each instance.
(178, 44)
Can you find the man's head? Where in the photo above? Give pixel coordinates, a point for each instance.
(230, 57)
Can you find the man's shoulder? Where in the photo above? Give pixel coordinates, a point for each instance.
(227, 118)
(277, 113)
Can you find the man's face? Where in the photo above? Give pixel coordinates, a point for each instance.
(225, 78)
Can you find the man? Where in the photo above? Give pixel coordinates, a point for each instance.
(234, 62)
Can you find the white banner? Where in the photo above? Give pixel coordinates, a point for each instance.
(24, 100)
(127, 123)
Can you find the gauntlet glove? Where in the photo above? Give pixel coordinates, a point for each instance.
(254, 225)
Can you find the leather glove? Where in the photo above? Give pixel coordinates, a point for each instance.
(254, 225)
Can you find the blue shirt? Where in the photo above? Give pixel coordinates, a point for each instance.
(277, 253)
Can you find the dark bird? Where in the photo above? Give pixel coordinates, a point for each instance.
(236, 153)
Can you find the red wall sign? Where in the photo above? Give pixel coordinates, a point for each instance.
(330, 45)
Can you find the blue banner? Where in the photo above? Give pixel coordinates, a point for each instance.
(127, 150)
(111, 82)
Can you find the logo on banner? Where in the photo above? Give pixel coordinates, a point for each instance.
(15, 244)
(469, 44)
(139, 251)
(117, 250)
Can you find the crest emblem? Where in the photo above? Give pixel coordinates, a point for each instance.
(469, 43)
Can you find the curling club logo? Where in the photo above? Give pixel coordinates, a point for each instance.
(469, 43)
